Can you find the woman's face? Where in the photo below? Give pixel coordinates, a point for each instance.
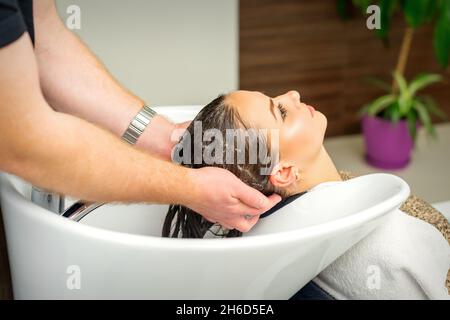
(301, 128)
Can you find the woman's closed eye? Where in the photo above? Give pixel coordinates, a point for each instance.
(283, 111)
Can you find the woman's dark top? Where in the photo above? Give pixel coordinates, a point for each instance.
(282, 203)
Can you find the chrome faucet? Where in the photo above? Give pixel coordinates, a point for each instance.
(56, 203)
(80, 209)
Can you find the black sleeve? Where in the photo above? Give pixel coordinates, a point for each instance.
(26, 6)
(12, 24)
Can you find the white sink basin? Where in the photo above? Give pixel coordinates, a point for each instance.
(116, 251)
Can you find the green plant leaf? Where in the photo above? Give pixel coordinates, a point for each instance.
(423, 81)
(411, 119)
(387, 9)
(444, 7)
(404, 98)
(380, 103)
(402, 84)
(378, 83)
(363, 110)
(395, 112)
(392, 113)
(417, 11)
(432, 11)
(433, 107)
(342, 6)
(424, 117)
(362, 4)
(441, 40)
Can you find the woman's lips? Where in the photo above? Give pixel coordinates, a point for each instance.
(312, 110)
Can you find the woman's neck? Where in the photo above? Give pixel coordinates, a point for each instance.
(322, 169)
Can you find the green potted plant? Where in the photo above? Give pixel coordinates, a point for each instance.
(389, 123)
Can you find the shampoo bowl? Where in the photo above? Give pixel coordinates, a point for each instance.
(116, 252)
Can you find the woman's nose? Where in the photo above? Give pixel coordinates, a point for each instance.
(290, 96)
(295, 95)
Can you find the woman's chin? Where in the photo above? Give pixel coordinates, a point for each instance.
(323, 120)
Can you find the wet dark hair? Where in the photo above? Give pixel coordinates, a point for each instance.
(186, 223)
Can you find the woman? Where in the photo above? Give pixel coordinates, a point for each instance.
(410, 257)
(302, 162)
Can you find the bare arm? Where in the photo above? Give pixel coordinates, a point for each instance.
(66, 154)
(74, 81)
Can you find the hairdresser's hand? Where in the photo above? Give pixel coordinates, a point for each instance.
(219, 196)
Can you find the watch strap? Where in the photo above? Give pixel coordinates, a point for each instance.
(138, 124)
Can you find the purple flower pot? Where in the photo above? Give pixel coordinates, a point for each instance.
(388, 145)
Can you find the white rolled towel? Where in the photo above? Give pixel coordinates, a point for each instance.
(405, 258)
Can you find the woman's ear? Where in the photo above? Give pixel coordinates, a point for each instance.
(283, 175)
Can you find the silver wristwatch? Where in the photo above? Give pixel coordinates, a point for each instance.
(138, 125)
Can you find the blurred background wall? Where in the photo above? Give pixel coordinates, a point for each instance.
(166, 51)
(187, 52)
(304, 45)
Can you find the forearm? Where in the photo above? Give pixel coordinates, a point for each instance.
(74, 157)
(66, 154)
(74, 81)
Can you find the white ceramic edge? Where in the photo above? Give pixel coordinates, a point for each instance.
(340, 224)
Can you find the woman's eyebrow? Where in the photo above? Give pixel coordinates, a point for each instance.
(272, 107)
